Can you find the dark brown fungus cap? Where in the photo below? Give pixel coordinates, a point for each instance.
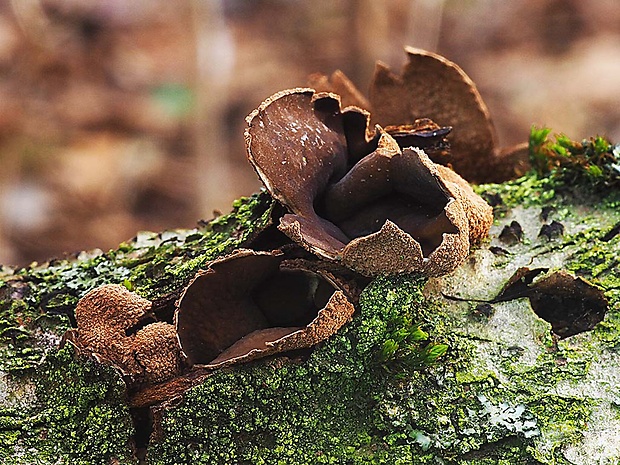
(339, 83)
(354, 194)
(570, 303)
(431, 86)
(110, 326)
(253, 304)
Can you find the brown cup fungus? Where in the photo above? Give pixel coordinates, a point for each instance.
(252, 304)
(355, 194)
(111, 326)
(570, 303)
(366, 196)
(431, 86)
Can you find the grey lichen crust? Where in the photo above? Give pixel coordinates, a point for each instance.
(432, 370)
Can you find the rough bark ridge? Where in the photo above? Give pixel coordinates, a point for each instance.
(467, 368)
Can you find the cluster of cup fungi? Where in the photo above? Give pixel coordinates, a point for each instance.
(369, 187)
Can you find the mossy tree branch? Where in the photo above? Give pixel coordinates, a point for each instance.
(428, 370)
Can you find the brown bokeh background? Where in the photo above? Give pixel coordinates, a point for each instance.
(118, 116)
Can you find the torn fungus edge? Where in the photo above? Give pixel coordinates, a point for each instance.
(365, 253)
(268, 341)
(431, 86)
(338, 311)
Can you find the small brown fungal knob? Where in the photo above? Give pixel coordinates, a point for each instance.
(356, 195)
(253, 304)
(108, 326)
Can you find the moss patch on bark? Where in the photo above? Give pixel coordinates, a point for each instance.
(429, 370)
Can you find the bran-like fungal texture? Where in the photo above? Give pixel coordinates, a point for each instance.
(360, 190)
(252, 304)
(108, 326)
(354, 194)
(431, 86)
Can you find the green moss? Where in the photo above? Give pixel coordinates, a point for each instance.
(508, 452)
(163, 265)
(20, 331)
(563, 419)
(593, 163)
(527, 191)
(38, 302)
(73, 413)
(596, 258)
(561, 167)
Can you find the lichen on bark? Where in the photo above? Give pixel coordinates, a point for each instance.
(506, 390)
(70, 410)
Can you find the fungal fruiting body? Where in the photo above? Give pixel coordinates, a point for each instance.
(253, 304)
(431, 86)
(357, 196)
(110, 326)
(360, 193)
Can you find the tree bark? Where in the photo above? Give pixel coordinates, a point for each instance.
(469, 368)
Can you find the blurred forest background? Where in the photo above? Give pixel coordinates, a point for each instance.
(118, 116)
